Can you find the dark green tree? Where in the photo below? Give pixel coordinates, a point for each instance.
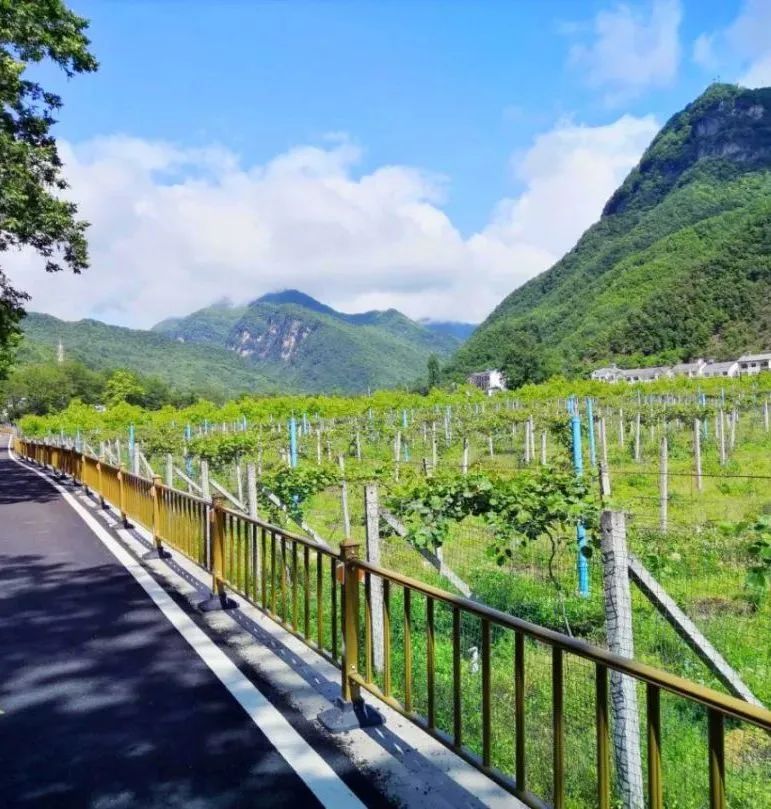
(32, 213)
(433, 371)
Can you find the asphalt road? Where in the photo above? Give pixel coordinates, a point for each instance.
(103, 703)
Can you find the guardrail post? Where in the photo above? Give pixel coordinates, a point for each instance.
(99, 484)
(350, 711)
(155, 493)
(122, 498)
(218, 599)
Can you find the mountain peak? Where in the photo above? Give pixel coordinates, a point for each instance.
(293, 296)
(727, 129)
(676, 267)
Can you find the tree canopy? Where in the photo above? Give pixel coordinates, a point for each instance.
(33, 213)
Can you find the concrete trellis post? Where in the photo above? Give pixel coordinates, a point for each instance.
(637, 437)
(344, 499)
(251, 490)
(433, 445)
(604, 481)
(239, 481)
(663, 485)
(464, 463)
(543, 447)
(170, 470)
(205, 488)
(618, 620)
(621, 428)
(371, 508)
(721, 436)
(732, 435)
(765, 415)
(697, 452)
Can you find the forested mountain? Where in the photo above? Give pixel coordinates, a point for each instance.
(679, 265)
(282, 341)
(313, 347)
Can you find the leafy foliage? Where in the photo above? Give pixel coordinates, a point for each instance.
(545, 504)
(32, 212)
(295, 486)
(758, 580)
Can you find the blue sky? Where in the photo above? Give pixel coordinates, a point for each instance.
(428, 120)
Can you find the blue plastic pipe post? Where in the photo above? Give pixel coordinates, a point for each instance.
(293, 442)
(590, 424)
(578, 466)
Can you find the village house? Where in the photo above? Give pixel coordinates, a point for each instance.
(489, 381)
(647, 374)
(728, 368)
(746, 365)
(610, 374)
(751, 364)
(689, 369)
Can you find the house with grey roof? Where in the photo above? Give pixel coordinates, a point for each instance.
(689, 369)
(610, 374)
(713, 369)
(647, 374)
(751, 364)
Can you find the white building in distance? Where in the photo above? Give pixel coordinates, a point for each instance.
(751, 364)
(489, 381)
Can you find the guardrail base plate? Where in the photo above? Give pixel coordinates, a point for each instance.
(344, 716)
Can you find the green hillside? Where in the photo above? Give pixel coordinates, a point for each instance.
(283, 341)
(312, 347)
(101, 346)
(678, 266)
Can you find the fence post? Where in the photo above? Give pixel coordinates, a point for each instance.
(170, 470)
(344, 498)
(205, 488)
(350, 711)
(663, 486)
(100, 491)
(618, 622)
(371, 508)
(122, 497)
(604, 481)
(157, 505)
(218, 599)
(251, 489)
(697, 452)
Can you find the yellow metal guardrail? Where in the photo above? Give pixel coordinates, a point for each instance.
(325, 599)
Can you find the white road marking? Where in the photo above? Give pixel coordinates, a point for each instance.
(320, 778)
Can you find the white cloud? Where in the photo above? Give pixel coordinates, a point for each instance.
(746, 41)
(704, 51)
(631, 49)
(174, 229)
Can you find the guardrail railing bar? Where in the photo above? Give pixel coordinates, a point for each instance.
(172, 515)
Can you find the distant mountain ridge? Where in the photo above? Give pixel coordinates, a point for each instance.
(282, 341)
(678, 266)
(312, 345)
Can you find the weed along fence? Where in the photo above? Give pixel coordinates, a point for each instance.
(557, 721)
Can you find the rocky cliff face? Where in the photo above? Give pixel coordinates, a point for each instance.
(280, 339)
(726, 124)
